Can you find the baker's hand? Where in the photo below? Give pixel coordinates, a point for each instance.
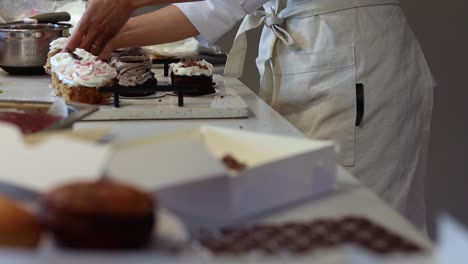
(102, 20)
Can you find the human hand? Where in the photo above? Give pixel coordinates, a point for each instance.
(102, 20)
(117, 42)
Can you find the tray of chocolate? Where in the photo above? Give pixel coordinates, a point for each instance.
(32, 117)
(305, 238)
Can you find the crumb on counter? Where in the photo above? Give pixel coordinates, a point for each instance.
(232, 163)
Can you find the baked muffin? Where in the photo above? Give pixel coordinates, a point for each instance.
(99, 215)
(55, 47)
(133, 70)
(195, 76)
(77, 78)
(18, 228)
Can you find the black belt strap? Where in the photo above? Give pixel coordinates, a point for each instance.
(359, 103)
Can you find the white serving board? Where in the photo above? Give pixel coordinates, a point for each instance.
(226, 103)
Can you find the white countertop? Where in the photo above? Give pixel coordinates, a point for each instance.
(351, 198)
(262, 119)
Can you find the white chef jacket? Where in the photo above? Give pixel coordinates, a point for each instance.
(313, 55)
(213, 18)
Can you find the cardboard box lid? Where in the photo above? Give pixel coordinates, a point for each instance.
(193, 155)
(50, 161)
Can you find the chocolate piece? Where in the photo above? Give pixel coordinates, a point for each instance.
(126, 52)
(73, 54)
(233, 164)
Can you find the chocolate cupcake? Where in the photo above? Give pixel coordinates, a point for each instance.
(99, 215)
(194, 76)
(134, 69)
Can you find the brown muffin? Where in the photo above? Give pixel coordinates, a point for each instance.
(99, 215)
(18, 228)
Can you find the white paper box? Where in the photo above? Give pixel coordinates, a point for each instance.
(54, 160)
(186, 170)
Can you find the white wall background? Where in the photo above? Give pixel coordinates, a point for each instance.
(442, 28)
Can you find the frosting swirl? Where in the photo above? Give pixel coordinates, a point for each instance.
(192, 68)
(60, 61)
(58, 44)
(133, 67)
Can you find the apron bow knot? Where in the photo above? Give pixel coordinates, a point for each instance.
(271, 21)
(274, 17)
(274, 22)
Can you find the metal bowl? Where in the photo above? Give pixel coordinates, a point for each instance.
(24, 47)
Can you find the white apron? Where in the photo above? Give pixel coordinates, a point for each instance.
(353, 72)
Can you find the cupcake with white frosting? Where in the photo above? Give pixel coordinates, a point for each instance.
(77, 78)
(194, 76)
(55, 47)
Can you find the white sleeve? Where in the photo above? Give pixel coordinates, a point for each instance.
(213, 18)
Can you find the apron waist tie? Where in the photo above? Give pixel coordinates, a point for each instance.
(274, 18)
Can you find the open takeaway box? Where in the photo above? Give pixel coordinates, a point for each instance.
(185, 168)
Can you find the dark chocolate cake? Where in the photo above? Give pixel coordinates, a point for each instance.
(195, 77)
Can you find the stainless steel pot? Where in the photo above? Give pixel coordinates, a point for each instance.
(24, 47)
